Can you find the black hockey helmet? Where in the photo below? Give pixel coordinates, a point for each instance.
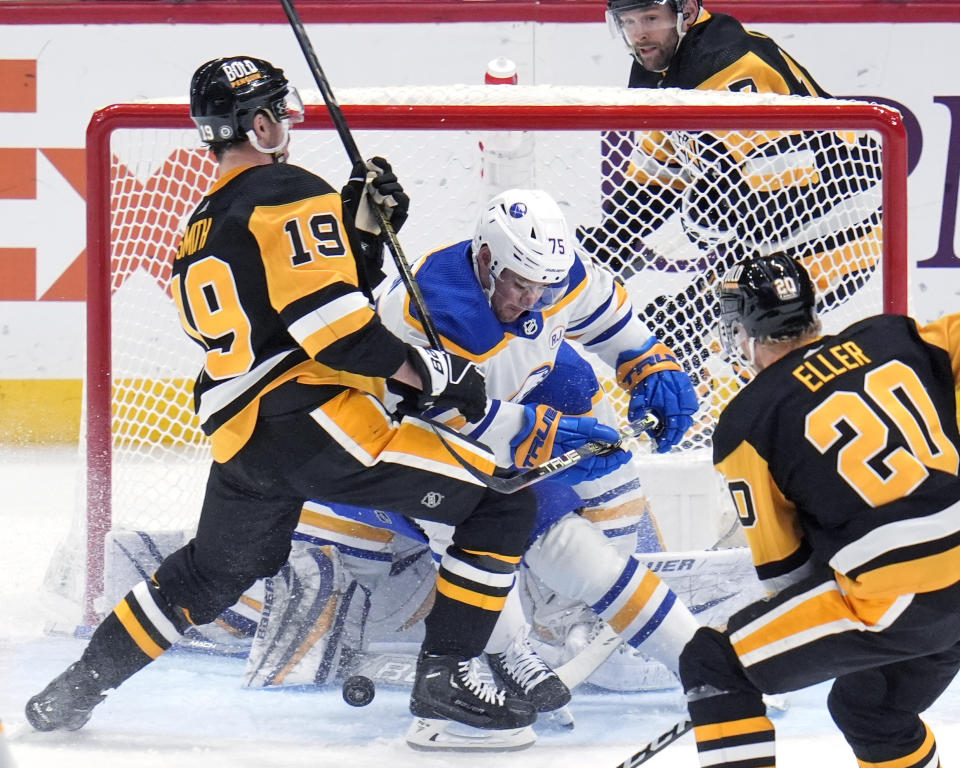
(618, 6)
(226, 94)
(768, 298)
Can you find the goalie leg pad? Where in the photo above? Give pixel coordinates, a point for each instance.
(312, 623)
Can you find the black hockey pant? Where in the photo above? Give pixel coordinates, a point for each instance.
(889, 661)
(251, 507)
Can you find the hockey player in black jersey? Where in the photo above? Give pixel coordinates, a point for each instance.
(272, 280)
(842, 459)
(811, 194)
(679, 44)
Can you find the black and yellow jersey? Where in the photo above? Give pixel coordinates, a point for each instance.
(267, 284)
(717, 53)
(846, 452)
(811, 194)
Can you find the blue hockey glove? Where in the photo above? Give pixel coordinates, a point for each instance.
(656, 382)
(547, 433)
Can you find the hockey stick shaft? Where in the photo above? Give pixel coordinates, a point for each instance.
(515, 482)
(657, 745)
(340, 123)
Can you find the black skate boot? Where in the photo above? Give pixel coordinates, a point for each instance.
(448, 688)
(525, 675)
(68, 701)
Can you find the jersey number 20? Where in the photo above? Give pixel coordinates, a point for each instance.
(896, 390)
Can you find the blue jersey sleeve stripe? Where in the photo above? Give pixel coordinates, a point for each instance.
(482, 426)
(599, 311)
(610, 332)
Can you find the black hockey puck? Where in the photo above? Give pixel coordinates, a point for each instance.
(358, 691)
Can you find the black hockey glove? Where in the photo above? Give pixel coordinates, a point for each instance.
(449, 381)
(374, 181)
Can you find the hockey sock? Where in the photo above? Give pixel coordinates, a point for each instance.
(642, 609)
(732, 730)
(141, 627)
(472, 589)
(727, 710)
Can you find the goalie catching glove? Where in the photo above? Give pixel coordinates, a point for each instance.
(449, 381)
(656, 382)
(547, 433)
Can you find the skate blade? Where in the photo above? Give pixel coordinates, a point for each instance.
(430, 734)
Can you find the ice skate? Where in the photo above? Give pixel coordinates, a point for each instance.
(522, 673)
(449, 688)
(68, 701)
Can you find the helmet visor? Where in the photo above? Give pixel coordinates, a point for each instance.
(729, 301)
(532, 295)
(631, 23)
(289, 106)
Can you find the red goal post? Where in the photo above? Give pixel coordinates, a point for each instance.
(146, 172)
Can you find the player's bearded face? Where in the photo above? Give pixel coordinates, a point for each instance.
(514, 295)
(652, 33)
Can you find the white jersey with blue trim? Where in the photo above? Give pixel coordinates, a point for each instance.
(595, 311)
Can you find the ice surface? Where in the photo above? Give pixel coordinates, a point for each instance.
(189, 710)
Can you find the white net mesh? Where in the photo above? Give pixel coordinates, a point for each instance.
(666, 208)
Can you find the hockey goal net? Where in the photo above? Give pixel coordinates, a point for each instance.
(665, 187)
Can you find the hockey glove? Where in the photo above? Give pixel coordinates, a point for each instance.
(547, 433)
(657, 383)
(449, 381)
(376, 177)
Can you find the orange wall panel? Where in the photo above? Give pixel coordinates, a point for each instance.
(19, 91)
(18, 274)
(19, 178)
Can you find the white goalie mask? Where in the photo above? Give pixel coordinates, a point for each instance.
(526, 232)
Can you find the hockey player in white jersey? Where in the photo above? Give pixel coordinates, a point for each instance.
(511, 299)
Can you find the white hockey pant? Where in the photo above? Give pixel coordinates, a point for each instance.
(576, 560)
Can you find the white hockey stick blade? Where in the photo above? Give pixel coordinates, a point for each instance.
(776, 701)
(561, 718)
(429, 734)
(658, 744)
(597, 651)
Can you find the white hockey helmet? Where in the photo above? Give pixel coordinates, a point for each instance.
(527, 233)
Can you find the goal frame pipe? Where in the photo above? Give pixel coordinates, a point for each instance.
(885, 121)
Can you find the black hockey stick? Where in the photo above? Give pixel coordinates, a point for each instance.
(513, 483)
(340, 122)
(661, 742)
